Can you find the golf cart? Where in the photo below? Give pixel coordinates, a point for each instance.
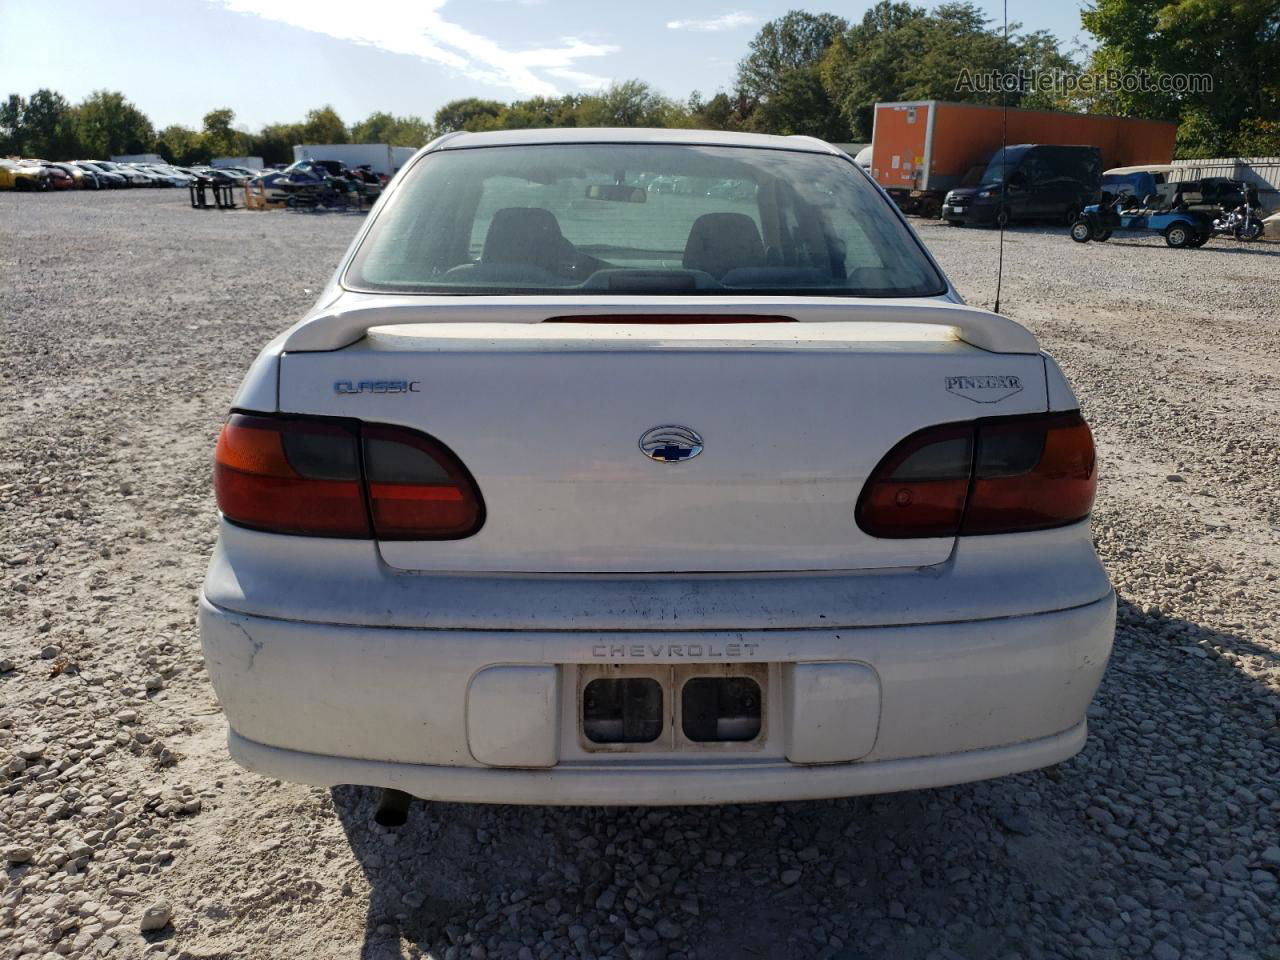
(1142, 200)
(1140, 181)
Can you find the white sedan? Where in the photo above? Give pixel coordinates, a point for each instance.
(568, 490)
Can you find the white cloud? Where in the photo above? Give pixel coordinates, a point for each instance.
(586, 81)
(418, 28)
(728, 21)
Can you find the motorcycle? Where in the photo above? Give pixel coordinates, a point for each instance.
(1241, 221)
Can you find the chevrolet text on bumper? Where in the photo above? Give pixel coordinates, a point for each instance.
(586, 490)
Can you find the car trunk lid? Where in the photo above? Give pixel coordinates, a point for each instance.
(551, 418)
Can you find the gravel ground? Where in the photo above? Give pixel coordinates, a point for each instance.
(126, 321)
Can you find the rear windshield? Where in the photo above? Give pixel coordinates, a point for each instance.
(623, 218)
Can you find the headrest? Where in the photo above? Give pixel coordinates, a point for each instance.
(720, 242)
(527, 235)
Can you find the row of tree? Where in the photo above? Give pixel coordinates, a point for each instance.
(803, 73)
(106, 124)
(818, 74)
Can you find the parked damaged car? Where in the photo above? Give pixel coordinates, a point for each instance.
(23, 176)
(555, 495)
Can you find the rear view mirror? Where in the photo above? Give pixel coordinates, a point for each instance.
(616, 192)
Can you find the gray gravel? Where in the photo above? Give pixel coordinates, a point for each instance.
(126, 321)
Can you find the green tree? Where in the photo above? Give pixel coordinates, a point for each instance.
(902, 52)
(1235, 42)
(42, 126)
(219, 138)
(181, 145)
(467, 114)
(799, 104)
(869, 62)
(721, 112)
(47, 128)
(382, 127)
(953, 37)
(323, 125)
(632, 103)
(1040, 52)
(276, 142)
(540, 112)
(1258, 138)
(11, 111)
(412, 131)
(106, 124)
(791, 42)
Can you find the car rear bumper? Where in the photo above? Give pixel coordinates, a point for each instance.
(576, 784)
(398, 707)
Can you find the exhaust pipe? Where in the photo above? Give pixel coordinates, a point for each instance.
(393, 808)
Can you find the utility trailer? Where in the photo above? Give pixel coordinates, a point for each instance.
(923, 148)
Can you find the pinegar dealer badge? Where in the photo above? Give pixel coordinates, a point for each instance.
(991, 388)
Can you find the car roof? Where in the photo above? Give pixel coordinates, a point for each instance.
(646, 135)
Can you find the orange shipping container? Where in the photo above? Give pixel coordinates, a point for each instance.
(929, 145)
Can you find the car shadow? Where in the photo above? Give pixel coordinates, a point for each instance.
(1043, 229)
(1220, 244)
(1224, 246)
(987, 869)
(1254, 249)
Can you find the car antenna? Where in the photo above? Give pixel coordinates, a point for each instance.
(1004, 151)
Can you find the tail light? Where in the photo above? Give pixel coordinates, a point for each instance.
(1001, 475)
(1030, 474)
(418, 490)
(919, 488)
(339, 478)
(290, 476)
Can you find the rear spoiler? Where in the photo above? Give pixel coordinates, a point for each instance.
(347, 319)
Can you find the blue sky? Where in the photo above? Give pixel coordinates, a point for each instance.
(271, 60)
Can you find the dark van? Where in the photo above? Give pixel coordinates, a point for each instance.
(1028, 182)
